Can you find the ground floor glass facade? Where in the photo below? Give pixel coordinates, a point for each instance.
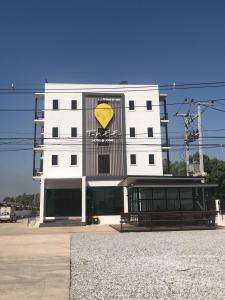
(167, 199)
(63, 202)
(104, 200)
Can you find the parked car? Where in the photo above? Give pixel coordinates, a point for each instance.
(7, 214)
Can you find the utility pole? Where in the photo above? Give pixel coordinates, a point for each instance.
(201, 162)
(200, 150)
(187, 119)
(188, 136)
(187, 150)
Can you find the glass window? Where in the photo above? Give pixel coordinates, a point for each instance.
(133, 159)
(173, 202)
(132, 132)
(73, 104)
(55, 104)
(150, 132)
(131, 105)
(73, 132)
(145, 195)
(186, 199)
(55, 132)
(54, 160)
(159, 199)
(73, 160)
(104, 201)
(103, 164)
(151, 159)
(60, 202)
(149, 105)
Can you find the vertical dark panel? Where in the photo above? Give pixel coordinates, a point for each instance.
(115, 149)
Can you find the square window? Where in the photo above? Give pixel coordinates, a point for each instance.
(150, 132)
(55, 132)
(73, 132)
(73, 104)
(149, 105)
(103, 164)
(131, 105)
(73, 160)
(133, 159)
(54, 160)
(151, 159)
(132, 132)
(55, 104)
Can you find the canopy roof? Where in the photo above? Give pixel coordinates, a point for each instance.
(164, 181)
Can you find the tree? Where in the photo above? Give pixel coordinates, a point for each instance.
(215, 170)
(30, 201)
(178, 168)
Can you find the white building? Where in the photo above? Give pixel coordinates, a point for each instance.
(83, 151)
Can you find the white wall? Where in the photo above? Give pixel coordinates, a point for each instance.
(64, 118)
(141, 119)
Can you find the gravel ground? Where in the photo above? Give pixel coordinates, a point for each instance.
(148, 265)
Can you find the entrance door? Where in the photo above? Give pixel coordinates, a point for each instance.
(63, 203)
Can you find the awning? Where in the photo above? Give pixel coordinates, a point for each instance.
(164, 181)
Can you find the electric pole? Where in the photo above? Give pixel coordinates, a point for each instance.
(201, 162)
(188, 118)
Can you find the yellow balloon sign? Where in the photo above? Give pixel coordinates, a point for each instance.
(104, 114)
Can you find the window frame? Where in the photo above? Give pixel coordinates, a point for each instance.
(133, 155)
(73, 101)
(100, 164)
(148, 131)
(133, 105)
(71, 132)
(53, 132)
(57, 160)
(148, 101)
(152, 156)
(54, 101)
(132, 135)
(71, 160)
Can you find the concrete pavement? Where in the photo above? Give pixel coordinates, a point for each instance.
(35, 267)
(35, 262)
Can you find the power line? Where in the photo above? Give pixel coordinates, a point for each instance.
(108, 90)
(117, 87)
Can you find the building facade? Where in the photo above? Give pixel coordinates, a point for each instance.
(88, 138)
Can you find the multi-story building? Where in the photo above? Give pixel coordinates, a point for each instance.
(97, 145)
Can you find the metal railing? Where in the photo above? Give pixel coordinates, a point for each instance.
(38, 142)
(165, 143)
(39, 114)
(164, 116)
(37, 172)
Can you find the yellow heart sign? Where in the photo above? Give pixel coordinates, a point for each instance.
(104, 114)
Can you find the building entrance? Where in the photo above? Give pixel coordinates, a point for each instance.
(63, 203)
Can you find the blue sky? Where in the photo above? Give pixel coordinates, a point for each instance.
(103, 41)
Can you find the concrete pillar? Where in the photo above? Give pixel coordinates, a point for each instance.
(42, 199)
(125, 199)
(83, 199)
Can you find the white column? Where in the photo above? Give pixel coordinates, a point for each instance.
(125, 199)
(218, 221)
(83, 199)
(42, 199)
